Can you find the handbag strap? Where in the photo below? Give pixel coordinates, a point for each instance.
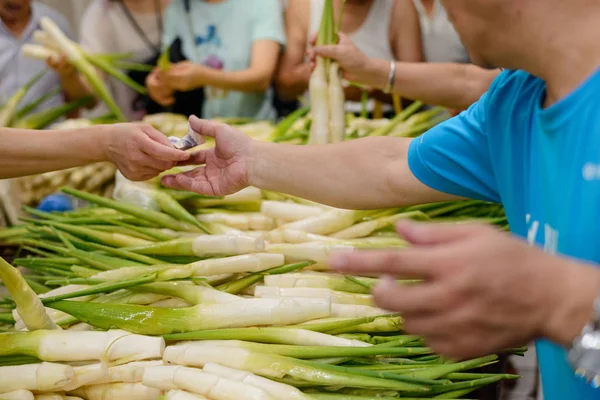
(138, 28)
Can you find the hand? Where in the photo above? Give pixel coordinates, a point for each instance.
(356, 66)
(226, 168)
(62, 66)
(159, 90)
(483, 290)
(185, 76)
(139, 151)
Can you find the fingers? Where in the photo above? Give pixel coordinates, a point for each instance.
(427, 234)
(408, 299)
(205, 127)
(158, 147)
(193, 181)
(197, 158)
(410, 263)
(330, 51)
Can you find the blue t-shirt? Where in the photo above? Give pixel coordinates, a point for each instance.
(543, 165)
(220, 36)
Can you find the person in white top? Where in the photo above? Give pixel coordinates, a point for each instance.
(367, 22)
(123, 26)
(441, 42)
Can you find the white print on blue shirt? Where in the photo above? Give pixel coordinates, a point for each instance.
(550, 235)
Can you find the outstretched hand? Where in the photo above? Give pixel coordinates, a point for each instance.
(139, 151)
(483, 290)
(225, 167)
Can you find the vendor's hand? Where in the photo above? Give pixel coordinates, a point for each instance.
(139, 151)
(159, 90)
(226, 165)
(483, 290)
(355, 65)
(185, 76)
(62, 66)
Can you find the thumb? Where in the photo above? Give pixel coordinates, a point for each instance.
(428, 233)
(329, 51)
(205, 127)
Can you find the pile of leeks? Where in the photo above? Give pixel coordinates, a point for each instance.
(214, 298)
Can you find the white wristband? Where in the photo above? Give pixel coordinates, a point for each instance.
(391, 77)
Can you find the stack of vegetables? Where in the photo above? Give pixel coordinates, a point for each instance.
(214, 298)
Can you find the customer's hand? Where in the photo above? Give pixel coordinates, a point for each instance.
(483, 290)
(185, 76)
(62, 66)
(355, 65)
(159, 90)
(139, 151)
(226, 166)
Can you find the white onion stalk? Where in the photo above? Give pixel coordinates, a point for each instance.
(366, 228)
(126, 373)
(17, 395)
(203, 246)
(244, 263)
(170, 303)
(275, 389)
(118, 391)
(38, 52)
(75, 57)
(289, 211)
(196, 381)
(248, 195)
(243, 221)
(192, 294)
(355, 311)
(293, 236)
(54, 396)
(319, 99)
(337, 100)
(328, 222)
(44, 377)
(318, 252)
(319, 280)
(29, 306)
(82, 346)
(45, 40)
(336, 297)
(86, 375)
(183, 395)
(161, 321)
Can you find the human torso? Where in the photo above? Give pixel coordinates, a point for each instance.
(120, 35)
(16, 69)
(441, 42)
(547, 169)
(221, 36)
(372, 37)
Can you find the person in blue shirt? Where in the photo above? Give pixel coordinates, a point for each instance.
(531, 143)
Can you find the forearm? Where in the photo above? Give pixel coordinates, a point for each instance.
(243, 81)
(75, 87)
(367, 173)
(445, 84)
(26, 152)
(290, 85)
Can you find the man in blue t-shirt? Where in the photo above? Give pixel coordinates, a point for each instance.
(530, 143)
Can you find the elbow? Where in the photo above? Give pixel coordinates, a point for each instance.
(263, 84)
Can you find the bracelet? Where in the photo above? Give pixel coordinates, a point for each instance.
(391, 78)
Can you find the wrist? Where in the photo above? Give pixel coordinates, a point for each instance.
(256, 160)
(572, 307)
(100, 138)
(378, 71)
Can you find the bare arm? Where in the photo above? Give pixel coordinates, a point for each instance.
(405, 32)
(138, 150)
(186, 76)
(294, 73)
(368, 173)
(446, 84)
